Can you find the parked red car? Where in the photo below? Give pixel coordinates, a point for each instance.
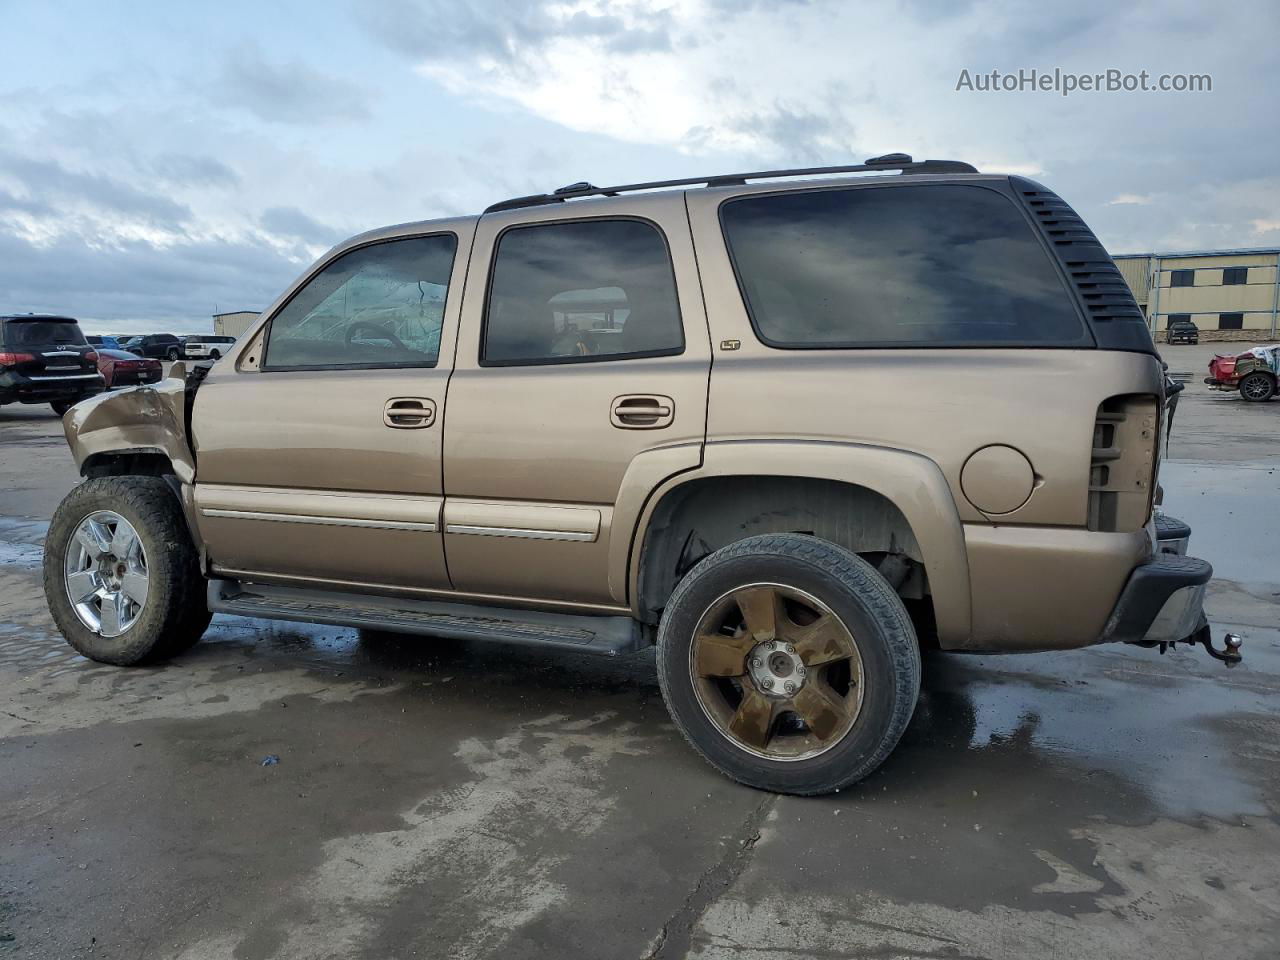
(1255, 373)
(122, 369)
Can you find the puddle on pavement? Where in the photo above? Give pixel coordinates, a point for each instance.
(21, 541)
(1155, 724)
(1232, 512)
(1171, 728)
(1158, 726)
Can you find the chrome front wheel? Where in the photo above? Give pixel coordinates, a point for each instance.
(105, 573)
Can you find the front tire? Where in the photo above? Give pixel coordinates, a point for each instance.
(121, 575)
(60, 407)
(1258, 387)
(173, 353)
(789, 663)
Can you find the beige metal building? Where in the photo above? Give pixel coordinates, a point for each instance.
(1228, 294)
(234, 323)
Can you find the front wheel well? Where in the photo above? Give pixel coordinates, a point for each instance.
(119, 463)
(701, 516)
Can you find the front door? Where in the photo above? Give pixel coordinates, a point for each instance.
(580, 383)
(318, 453)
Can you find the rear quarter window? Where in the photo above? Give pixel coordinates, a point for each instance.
(901, 266)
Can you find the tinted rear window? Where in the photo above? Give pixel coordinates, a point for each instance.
(22, 333)
(928, 265)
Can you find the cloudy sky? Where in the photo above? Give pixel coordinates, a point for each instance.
(159, 161)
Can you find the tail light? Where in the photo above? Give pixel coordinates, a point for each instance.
(10, 359)
(1223, 366)
(1122, 465)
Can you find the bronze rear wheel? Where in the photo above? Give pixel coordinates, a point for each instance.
(777, 671)
(789, 663)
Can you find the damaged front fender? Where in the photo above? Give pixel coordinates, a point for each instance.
(138, 420)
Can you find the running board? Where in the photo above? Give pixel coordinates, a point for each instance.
(605, 635)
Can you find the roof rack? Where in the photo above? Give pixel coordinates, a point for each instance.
(890, 161)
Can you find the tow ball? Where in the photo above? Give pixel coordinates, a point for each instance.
(1230, 652)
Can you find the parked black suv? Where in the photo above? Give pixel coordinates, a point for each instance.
(162, 346)
(46, 359)
(1182, 331)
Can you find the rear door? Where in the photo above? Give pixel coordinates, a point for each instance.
(580, 384)
(319, 451)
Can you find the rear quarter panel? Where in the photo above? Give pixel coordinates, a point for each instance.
(941, 405)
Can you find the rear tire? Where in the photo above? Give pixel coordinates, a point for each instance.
(174, 613)
(814, 738)
(60, 407)
(1258, 387)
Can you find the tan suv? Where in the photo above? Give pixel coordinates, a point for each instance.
(780, 428)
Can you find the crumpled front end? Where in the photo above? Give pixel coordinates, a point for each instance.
(140, 420)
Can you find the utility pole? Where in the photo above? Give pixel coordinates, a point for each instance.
(1275, 298)
(1154, 299)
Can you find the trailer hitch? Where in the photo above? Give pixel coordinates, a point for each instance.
(1230, 652)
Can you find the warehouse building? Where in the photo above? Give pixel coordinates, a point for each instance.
(1228, 294)
(234, 323)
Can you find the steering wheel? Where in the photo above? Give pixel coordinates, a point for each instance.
(380, 333)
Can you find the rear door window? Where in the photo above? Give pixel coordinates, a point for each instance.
(901, 266)
(585, 290)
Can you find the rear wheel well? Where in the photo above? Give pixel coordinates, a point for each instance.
(701, 516)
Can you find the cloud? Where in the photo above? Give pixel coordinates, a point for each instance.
(293, 223)
(27, 205)
(510, 32)
(44, 180)
(289, 93)
(188, 169)
(168, 285)
(119, 200)
(749, 84)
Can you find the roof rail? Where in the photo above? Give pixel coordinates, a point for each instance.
(890, 161)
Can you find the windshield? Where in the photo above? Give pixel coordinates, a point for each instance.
(24, 333)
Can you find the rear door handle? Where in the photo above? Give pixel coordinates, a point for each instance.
(642, 411)
(409, 413)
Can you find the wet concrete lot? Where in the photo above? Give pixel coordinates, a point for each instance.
(445, 799)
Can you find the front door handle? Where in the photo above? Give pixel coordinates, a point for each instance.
(409, 413)
(642, 411)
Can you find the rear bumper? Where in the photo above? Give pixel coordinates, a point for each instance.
(1172, 536)
(1163, 602)
(132, 378)
(1037, 588)
(15, 388)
